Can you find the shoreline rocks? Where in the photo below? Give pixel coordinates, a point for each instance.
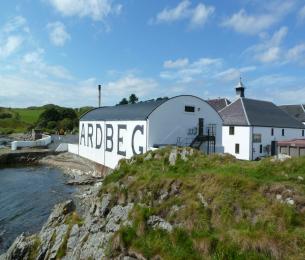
(78, 229)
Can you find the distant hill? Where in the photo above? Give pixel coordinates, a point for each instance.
(18, 120)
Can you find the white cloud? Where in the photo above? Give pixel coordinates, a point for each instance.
(201, 13)
(174, 14)
(270, 50)
(249, 24)
(233, 74)
(58, 34)
(15, 24)
(270, 13)
(296, 54)
(129, 84)
(97, 10)
(291, 95)
(34, 64)
(269, 55)
(189, 71)
(179, 63)
(23, 90)
(272, 80)
(197, 16)
(279, 88)
(10, 46)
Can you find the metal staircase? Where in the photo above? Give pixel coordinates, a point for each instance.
(197, 142)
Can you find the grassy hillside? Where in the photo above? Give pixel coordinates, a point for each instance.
(219, 207)
(28, 115)
(22, 119)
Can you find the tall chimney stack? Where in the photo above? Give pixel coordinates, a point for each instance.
(99, 95)
(240, 89)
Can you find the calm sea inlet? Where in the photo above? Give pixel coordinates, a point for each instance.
(27, 196)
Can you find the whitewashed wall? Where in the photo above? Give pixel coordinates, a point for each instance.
(73, 148)
(107, 142)
(170, 121)
(290, 133)
(44, 141)
(242, 137)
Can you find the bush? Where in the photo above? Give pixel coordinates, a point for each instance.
(52, 125)
(6, 131)
(51, 114)
(66, 116)
(4, 115)
(66, 124)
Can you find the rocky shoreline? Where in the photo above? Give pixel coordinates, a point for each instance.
(78, 229)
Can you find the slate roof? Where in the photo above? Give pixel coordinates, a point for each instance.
(138, 111)
(297, 111)
(219, 103)
(251, 112)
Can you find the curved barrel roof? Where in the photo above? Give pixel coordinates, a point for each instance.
(131, 112)
(138, 111)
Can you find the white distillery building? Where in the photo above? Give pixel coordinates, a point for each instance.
(252, 127)
(108, 134)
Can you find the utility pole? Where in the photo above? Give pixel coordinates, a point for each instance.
(99, 95)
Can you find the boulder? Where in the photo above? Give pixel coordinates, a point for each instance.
(172, 157)
(116, 216)
(158, 222)
(202, 200)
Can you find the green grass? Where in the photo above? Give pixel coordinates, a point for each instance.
(22, 119)
(243, 220)
(29, 116)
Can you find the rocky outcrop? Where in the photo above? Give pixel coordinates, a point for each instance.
(67, 236)
(23, 156)
(157, 222)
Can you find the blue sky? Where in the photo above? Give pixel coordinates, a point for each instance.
(57, 51)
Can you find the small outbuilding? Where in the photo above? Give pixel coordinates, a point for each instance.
(293, 148)
(108, 134)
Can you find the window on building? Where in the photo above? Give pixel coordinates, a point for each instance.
(303, 132)
(237, 148)
(231, 130)
(257, 138)
(261, 148)
(190, 109)
(272, 131)
(283, 132)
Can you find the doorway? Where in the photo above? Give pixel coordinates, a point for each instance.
(200, 126)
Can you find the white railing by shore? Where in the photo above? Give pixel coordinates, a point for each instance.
(44, 141)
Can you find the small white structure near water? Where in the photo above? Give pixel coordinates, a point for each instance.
(108, 134)
(43, 142)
